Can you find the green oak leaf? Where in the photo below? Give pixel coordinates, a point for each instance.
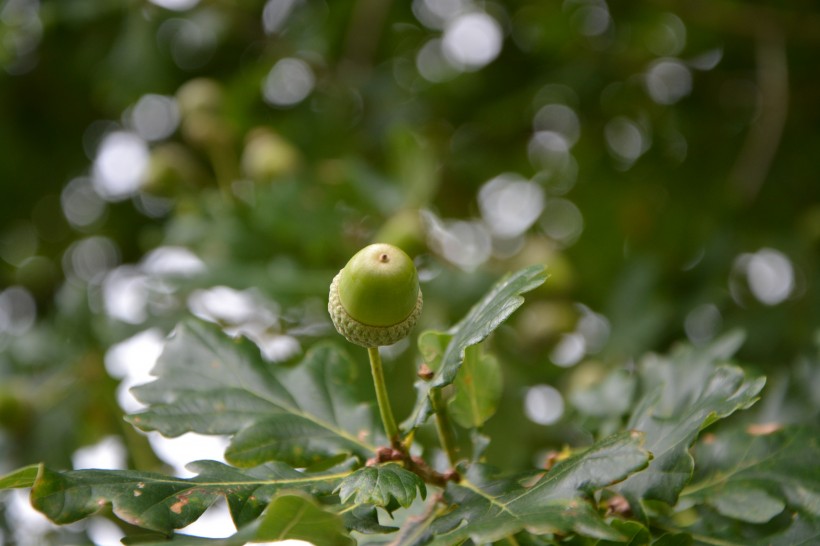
(484, 317)
(303, 414)
(487, 508)
(364, 519)
(382, 485)
(683, 393)
(289, 516)
(634, 534)
(478, 386)
(162, 503)
(297, 516)
(20, 478)
(752, 475)
(803, 531)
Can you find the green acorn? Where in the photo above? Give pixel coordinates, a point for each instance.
(375, 299)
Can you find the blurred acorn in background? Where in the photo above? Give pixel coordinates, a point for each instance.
(202, 108)
(268, 156)
(405, 230)
(171, 169)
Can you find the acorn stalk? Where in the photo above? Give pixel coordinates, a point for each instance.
(375, 300)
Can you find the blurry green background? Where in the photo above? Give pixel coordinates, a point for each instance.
(225, 158)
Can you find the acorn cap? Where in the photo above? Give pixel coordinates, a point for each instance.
(375, 299)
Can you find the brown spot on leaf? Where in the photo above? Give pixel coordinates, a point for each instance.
(177, 507)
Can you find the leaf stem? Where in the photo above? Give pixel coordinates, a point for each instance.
(390, 427)
(443, 427)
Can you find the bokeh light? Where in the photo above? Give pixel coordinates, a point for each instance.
(668, 81)
(435, 14)
(275, 14)
(768, 274)
(190, 41)
(155, 117)
(89, 259)
(510, 204)
(561, 119)
(465, 243)
(22, 30)
(543, 404)
(82, 205)
(625, 140)
(592, 20)
(176, 5)
(668, 36)
(471, 41)
(431, 63)
(18, 311)
(125, 294)
(288, 83)
(562, 221)
(569, 350)
(771, 276)
(702, 323)
(119, 165)
(172, 261)
(549, 152)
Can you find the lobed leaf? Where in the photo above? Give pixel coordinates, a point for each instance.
(633, 534)
(211, 384)
(485, 316)
(289, 516)
(297, 516)
(162, 503)
(382, 485)
(486, 508)
(478, 386)
(364, 519)
(753, 477)
(20, 478)
(683, 394)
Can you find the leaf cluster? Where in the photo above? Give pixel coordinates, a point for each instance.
(306, 458)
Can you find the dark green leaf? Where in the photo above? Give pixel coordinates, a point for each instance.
(162, 503)
(382, 485)
(297, 516)
(211, 384)
(493, 309)
(634, 534)
(478, 388)
(487, 508)
(290, 515)
(20, 478)
(365, 519)
(685, 393)
(804, 531)
(753, 476)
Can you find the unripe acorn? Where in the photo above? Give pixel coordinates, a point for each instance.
(375, 299)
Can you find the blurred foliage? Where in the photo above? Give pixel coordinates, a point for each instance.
(662, 166)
